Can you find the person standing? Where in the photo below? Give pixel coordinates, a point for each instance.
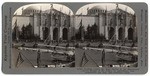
(103, 57)
(38, 58)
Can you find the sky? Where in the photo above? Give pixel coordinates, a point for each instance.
(109, 6)
(83, 9)
(46, 6)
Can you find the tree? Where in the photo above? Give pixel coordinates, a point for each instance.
(80, 33)
(88, 32)
(15, 33)
(23, 32)
(28, 31)
(94, 32)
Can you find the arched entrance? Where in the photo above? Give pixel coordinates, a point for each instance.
(120, 33)
(130, 34)
(55, 34)
(65, 34)
(111, 32)
(45, 32)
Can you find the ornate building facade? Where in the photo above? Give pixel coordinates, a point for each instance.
(51, 24)
(116, 24)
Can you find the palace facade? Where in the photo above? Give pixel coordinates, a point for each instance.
(53, 24)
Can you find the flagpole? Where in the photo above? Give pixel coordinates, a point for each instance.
(40, 22)
(116, 31)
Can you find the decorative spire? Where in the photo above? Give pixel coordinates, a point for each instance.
(117, 5)
(50, 9)
(116, 14)
(51, 6)
(126, 9)
(116, 8)
(106, 9)
(16, 22)
(87, 8)
(22, 9)
(40, 9)
(69, 12)
(106, 16)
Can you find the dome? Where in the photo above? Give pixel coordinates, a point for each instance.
(97, 8)
(31, 10)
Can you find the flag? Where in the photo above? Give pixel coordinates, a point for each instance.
(19, 60)
(106, 16)
(126, 17)
(116, 13)
(81, 29)
(87, 8)
(51, 5)
(40, 17)
(80, 24)
(15, 24)
(80, 14)
(69, 13)
(45, 24)
(84, 60)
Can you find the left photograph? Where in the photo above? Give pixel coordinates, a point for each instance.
(43, 36)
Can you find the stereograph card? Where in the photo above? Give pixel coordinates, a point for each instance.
(74, 38)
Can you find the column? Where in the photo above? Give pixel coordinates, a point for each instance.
(60, 32)
(126, 32)
(106, 32)
(41, 33)
(116, 32)
(51, 33)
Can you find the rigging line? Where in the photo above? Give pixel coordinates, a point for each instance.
(93, 60)
(27, 59)
(82, 59)
(112, 38)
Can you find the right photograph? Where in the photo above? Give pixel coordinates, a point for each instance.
(105, 36)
